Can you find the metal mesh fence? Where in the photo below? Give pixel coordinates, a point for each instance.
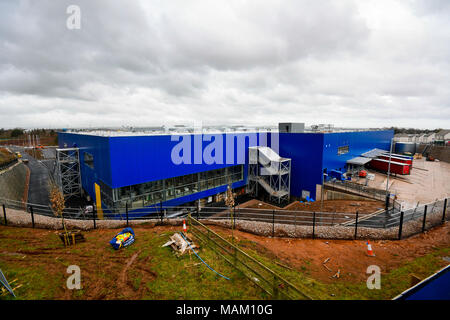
(387, 224)
(273, 284)
(356, 188)
(422, 218)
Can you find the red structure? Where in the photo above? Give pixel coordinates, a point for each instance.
(397, 159)
(396, 167)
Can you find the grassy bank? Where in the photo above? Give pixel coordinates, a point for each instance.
(38, 260)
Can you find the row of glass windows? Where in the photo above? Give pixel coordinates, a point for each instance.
(153, 192)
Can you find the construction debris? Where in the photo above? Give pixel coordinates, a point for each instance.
(178, 244)
(283, 265)
(7, 288)
(324, 264)
(326, 267)
(337, 274)
(192, 265)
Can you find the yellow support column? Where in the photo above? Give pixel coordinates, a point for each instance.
(98, 201)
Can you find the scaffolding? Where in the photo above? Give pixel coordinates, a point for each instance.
(270, 171)
(69, 176)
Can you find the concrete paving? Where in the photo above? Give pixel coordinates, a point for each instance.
(427, 182)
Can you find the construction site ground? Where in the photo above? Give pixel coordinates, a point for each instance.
(343, 206)
(38, 260)
(428, 181)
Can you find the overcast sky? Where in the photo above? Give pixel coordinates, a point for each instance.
(142, 63)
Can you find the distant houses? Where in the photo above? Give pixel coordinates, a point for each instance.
(442, 136)
(429, 137)
(405, 137)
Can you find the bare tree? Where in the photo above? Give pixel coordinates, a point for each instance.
(229, 202)
(57, 203)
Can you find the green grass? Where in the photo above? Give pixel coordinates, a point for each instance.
(36, 284)
(157, 273)
(183, 278)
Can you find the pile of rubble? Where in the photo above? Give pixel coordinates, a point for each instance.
(180, 243)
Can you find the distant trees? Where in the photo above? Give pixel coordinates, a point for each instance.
(412, 130)
(17, 132)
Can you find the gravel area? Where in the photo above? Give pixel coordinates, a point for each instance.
(329, 232)
(23, 219)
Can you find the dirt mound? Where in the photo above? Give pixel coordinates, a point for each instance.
(344, 206)
(347, 206)
(347, 255)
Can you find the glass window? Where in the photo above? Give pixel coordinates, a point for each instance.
(153, 192)
(343, 150)
(124, 192)
(170, 194)
(89, 160)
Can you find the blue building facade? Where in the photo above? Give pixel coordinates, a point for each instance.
(311, 153)
(140, 169)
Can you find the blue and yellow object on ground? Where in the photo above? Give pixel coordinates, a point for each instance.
(123, 239)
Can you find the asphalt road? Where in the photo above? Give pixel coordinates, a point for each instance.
(40, 171)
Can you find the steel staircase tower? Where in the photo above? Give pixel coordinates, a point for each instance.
(69, 176)
(271, 172)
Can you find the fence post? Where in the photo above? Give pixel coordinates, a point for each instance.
(356, 225)
(295, 222)
(235, 257)
(443, 211)
(424, 218)
(32, 216)
(275, 287)
(314, 225)
(234, 217)
(273, 223)
(387, 201)
(4, 214)
(400, 226)
(94, 213)
(126, 211)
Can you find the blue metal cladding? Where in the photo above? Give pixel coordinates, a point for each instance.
(141, 159)
(358, 143)
(305, 151)
(434, 288)
(123, 161)
(98, 147)
(312, 152)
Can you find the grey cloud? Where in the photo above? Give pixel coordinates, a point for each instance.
(148, 62)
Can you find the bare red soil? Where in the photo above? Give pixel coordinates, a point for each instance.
(350, 256)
